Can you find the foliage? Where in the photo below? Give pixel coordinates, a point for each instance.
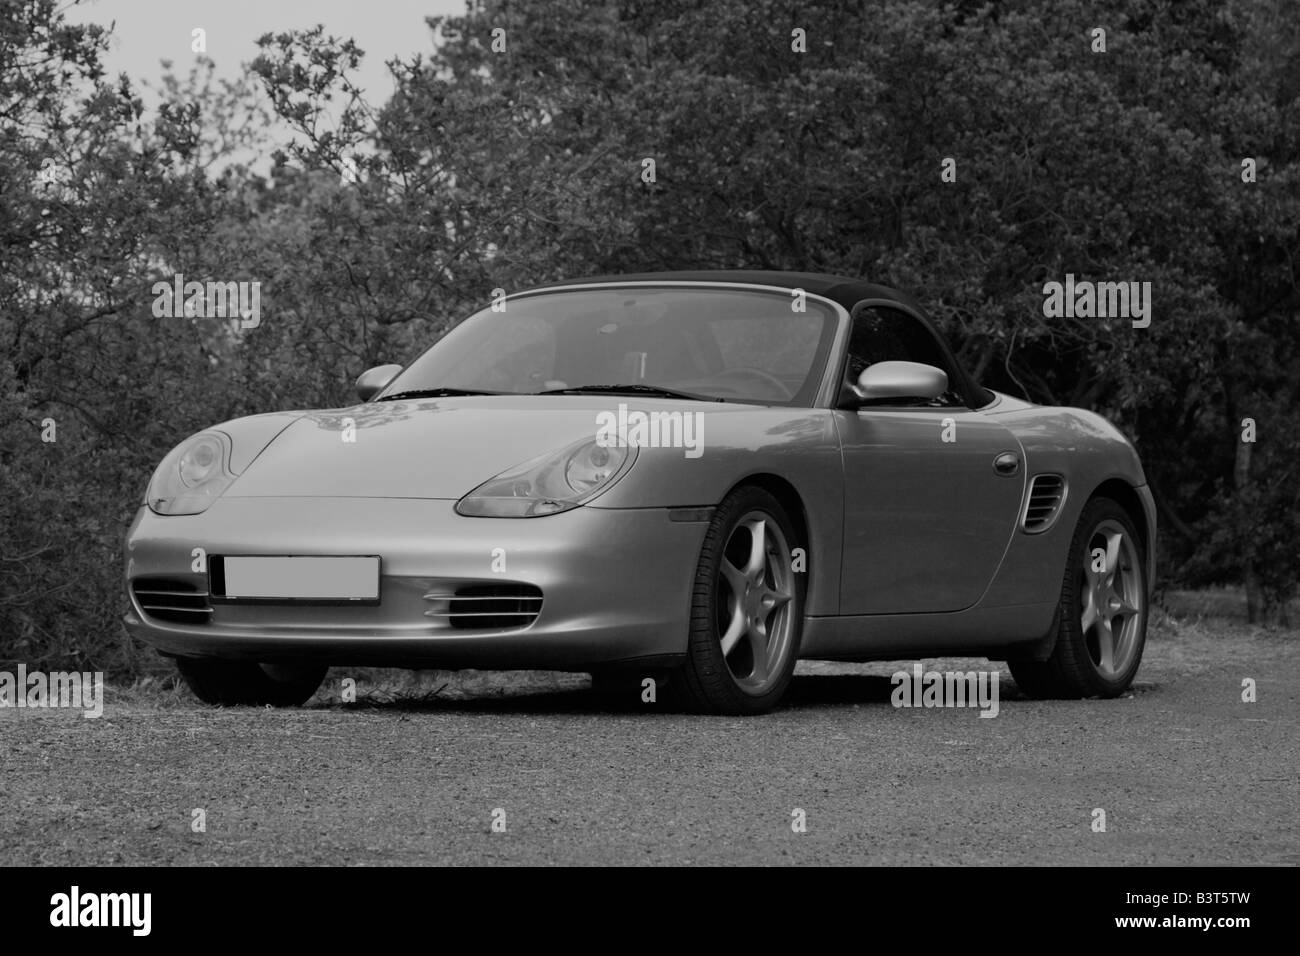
(499, 169)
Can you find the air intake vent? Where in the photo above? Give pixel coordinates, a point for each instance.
(1046, 492)
(495, 607)
(176, 601)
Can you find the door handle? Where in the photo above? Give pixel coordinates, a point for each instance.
(1007, 464)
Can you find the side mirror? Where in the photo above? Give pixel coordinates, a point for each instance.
(886, 380)
(375, 379)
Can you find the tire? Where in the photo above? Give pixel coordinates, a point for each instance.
(232, 683)
(749, 599)
(1085, 662)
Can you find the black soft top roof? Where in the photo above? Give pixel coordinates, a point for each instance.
(846, 291)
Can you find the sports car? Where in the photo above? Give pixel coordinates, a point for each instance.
(695, 477)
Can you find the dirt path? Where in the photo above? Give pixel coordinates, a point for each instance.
(1186, 773)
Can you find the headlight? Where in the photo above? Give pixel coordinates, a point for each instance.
(192, 476)
(550, 483)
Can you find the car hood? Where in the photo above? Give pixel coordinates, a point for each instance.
(427, 448)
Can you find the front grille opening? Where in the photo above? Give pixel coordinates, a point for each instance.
(1046, 492)
(177, 602)
(493, 607)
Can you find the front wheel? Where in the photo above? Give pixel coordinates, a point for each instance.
(746, 609)
(1102, 620)
(239, 682)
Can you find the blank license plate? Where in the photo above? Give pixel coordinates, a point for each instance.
(302, 578)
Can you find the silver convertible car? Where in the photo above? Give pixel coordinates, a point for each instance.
(696, 477)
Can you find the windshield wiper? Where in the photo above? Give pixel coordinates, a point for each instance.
(658, 390)
(438, 393)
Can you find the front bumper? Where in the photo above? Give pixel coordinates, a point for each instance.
(615, 583)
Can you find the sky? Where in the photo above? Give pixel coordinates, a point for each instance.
(149, 31)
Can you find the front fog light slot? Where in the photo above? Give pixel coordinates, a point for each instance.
(495, 607)
(177, 602)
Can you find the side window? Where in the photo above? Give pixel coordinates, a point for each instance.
(887, 335)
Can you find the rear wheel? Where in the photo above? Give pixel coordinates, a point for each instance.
(746, 609)
(1102, 620)
(240, 682)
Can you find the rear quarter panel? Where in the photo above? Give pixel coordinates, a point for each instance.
(1088, 451)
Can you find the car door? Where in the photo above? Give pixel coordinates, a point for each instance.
(928, 514)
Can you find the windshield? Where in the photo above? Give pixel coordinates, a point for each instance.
(721, 344)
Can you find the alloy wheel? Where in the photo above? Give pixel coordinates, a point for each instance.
(755, 589)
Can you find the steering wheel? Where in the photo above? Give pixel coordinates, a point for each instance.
(783, 390)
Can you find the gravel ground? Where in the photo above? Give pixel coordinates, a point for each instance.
(412, 773)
